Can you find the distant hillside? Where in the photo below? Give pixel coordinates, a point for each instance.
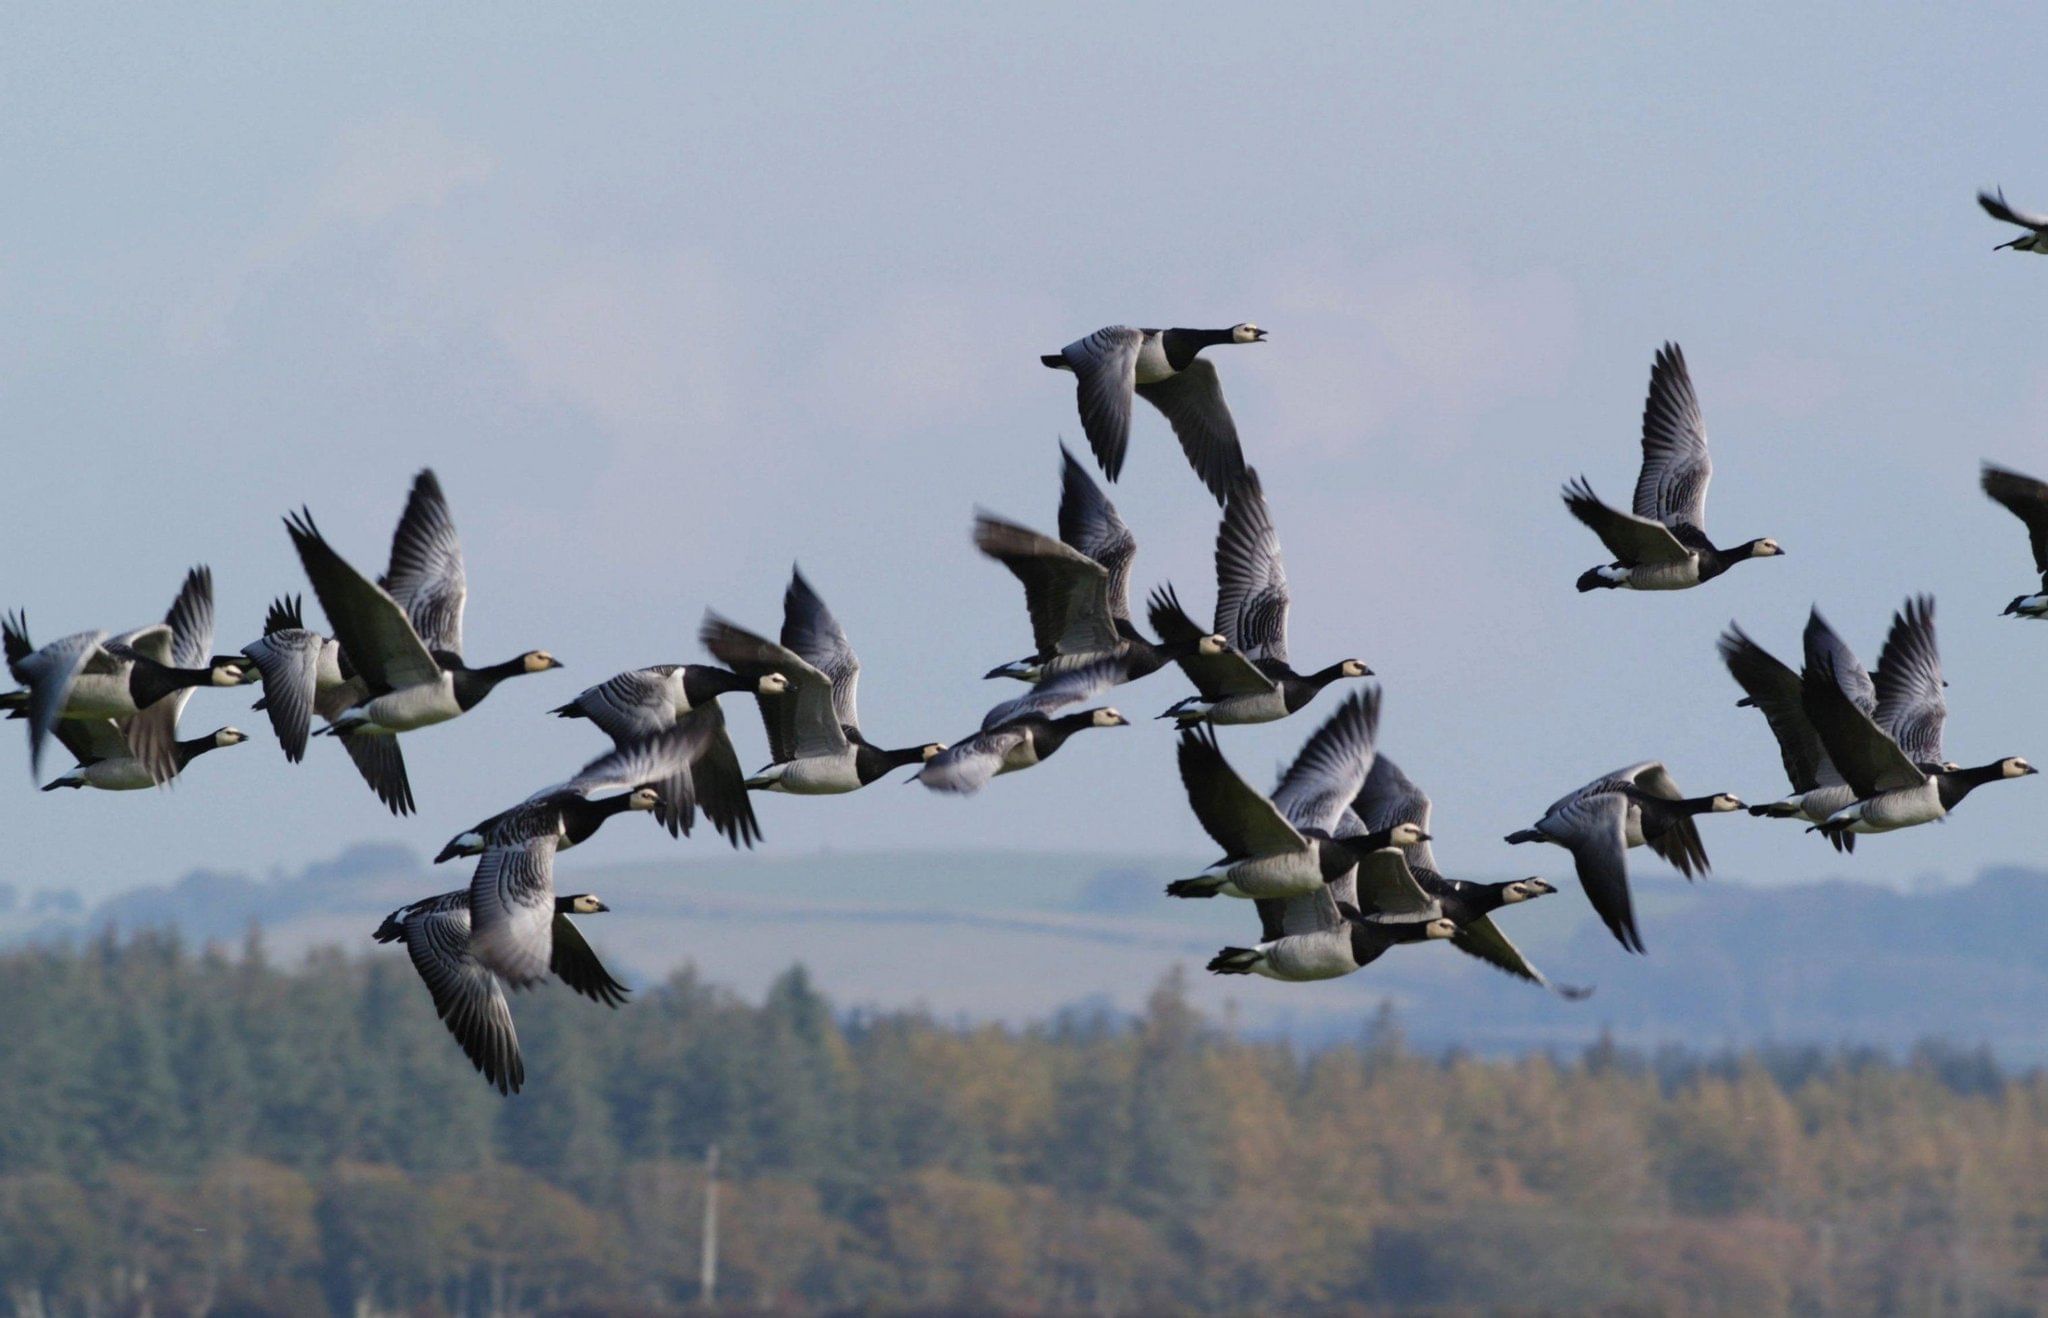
(1016, 937)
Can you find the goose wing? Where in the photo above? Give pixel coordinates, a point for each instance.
(1482, 938)
(1679, 845)
(1332, 766)
(1313, 913)
(1595, 829)
(1388, 798)
(1251, 583)
(1387, 887)
(966, 767)
(2027, 499)
(1105, 367)
(153, 733)
(1672, 487)
(48, 674)
(512, 898)
(1062, 690)
(720, 786)
(1192, 402)
(426, 577)
(377, 759)
(1214, 675)
(1773, 688)
(810, 630)
(370, 625)
(1066, 591)
(1089, 522)
(288, 660)
(801, 722)
(1629, 538)
(470, 999)
(1230, 810)
(662, 761)
(1996, 206)
(629, 705)
(576, 965)
(1910, 703)
(1869, 759)
(91, 740)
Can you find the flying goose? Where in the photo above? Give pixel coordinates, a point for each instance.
(1282, 845)
(139, 678)
(1028, 739)
(106, 762)
(1773, 689)
(643, 701)
(470, 999)
(1898, 776)
(1321, 936)
(1390, 799)
(2027, 499)
(403, 636)
(305, 673)
(2035, 239)
(1165, 368)
(651, 773)
(1251, 681)
(1663, 544)
(813, 727)
(1063, 595)
(1636, 806)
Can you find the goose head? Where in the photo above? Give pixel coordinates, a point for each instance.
(1107, 718)
(1441, 927)
(538, 661)
(229, 737)
(1725, 802)
(772, 684)
(230, 670)
(644, 798)
(930, 750)
(2015, 767)
(1525, 890)
(1765, 548)
(582, 903)
(1247, 333)
(1354, 668)
(1406, 834)
(1213, 643)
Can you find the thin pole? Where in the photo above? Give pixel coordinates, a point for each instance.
(708, 1273)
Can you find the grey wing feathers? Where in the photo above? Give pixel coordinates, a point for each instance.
(289, 663)
(2027, 499)
(1869, 760)
(1849, 671)
(1386, 886)
(628, 705)
(470, 999)
(1066, 591)
(1996, 206)
(575, 964)
(1672, 487)
(382, 765)
(1251, 583)
(662, 760)
(1089, 522)
(801, 720)
(1773, 688)
(1061, 691)
(1482, 938)
(426, 575)
(1595, 828)
(373, 629)
(1105, 366)
(810, 630)
(512, 899)
(1629, 538)
(1214, 675)
(1331, 767)
(720, 786)
(91, 740)
(1230, 810)
(153, 733)
(48, 674)
(967, 767)
(1388, 798)
(1910, 703)
(1192, 402)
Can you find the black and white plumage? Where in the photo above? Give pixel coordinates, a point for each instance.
(1252, 680)
(1774, 690)
(1165, 368)
(1018, 743)
(1284, 845)
(814, 736)
(105, 760)
(641, 702)
(140, 678)
(1635, 806)
(403, 635)
(2027, 499)
(305, 673)
(1389, 799)
(470, 999)
(2035, 239)
(1321, 936)
(648, 773)
(1892, 758)
(1662, 543)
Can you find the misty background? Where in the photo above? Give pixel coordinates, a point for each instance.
(673, 298)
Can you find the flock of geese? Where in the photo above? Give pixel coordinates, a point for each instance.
(1336, 859)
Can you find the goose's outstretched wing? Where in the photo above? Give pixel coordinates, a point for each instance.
(1869, 759)
(801, 722)
(1089, 522)
(1105, 367)
(426, 575)
(370, 624)
(1192, 402)
(1251, 582)
(1388, 799)
(153, 733)
(1773, 688)
(1672, 486)
(1332, 766)
(1629, 538)
(967, 766)
(470, 999)
(2027, 499)
(1066, 591)
(48, 674)
(1996, 206)
(576, 965)
(1910, 703)
(1596, 831)
(810, 630)
(1243, 822)
(1482, 938)
(1061, 691)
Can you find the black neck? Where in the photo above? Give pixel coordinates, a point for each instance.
(707, 682)
(473, 684)
(1696, 805)
(1182, 345)
(1364, 844)
(1322, 677)
(1959, 783)
(189, 751)
(150, 681)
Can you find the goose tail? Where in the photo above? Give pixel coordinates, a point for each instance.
(1203, 887)
(1522, 835)
(1235, 961)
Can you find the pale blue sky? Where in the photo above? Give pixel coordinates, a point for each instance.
(673, 297)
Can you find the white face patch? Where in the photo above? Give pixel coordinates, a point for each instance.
(1724, 803)
(2017, 768)
(1213, 644)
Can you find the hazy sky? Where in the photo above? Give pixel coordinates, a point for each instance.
(671, 298)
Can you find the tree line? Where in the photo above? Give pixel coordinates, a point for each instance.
(205, 1132)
